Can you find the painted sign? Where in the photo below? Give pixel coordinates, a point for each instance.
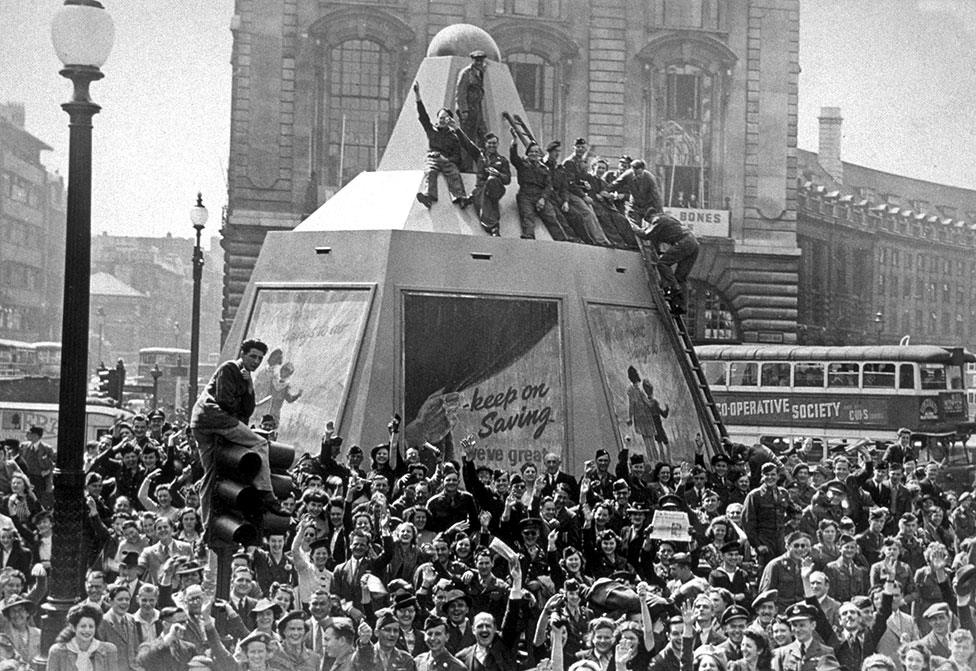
(488, 367)
(953, 404)
(714, 223)
(657, 410)
(313, 337)
(805, 410)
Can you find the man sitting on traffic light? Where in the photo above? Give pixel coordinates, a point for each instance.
(222, 411)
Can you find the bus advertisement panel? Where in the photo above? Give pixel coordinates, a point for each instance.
(16, 418)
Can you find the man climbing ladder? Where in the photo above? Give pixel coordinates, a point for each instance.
(661, 228)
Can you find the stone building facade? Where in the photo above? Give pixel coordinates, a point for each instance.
(704, 90)
(883, 256)
(32, 216)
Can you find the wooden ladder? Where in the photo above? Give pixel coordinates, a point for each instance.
(705, 406)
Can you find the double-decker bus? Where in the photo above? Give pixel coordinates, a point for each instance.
(790, 393)
(17, 358)
(174, 372)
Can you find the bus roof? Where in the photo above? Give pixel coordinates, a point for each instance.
(916, 353)
(16, 343)
(163, 350)
(94, 408)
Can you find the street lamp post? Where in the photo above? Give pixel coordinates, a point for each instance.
(101, 329)
(156, 373)
(82, 33)
(879, 324)
(198, 217)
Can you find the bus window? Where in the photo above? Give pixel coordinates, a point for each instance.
(714, 372)
(743, 373)
(842, 375)
(932, 375)
(879, 375)
(906, 376)
(956, 378)
(808, 374)
(775, 375)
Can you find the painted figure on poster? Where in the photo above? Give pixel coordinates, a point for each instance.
(645, 414)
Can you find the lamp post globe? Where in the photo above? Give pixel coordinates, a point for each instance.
(198, 217)
(82, 33)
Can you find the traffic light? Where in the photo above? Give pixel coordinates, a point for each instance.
(104, 382)
(119, 387)
(238, 516)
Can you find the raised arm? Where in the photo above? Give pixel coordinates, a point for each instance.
(421, 110)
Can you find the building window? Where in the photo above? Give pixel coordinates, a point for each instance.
(544, 8)
(683, 135)
(894, 286)
(360, 108)
(710, 316)
(535, 81)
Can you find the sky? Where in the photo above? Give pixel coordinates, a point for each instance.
(902, 71)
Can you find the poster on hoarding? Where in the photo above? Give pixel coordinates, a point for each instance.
(657, 411)
(313, 338)
(489, 367)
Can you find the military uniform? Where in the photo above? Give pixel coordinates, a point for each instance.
(799, 656)
(489, 189)
(369, 658)
(764, 518)
(441, 661)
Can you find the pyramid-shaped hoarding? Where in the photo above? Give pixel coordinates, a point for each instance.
(376, 305)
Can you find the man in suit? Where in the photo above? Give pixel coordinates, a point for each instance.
(154, 556)
(118, 628)
(939, 616)
(240, 599)
(707, 629)
(494, 650)
(130, 572)
(37, 461)
(805, 652)
(320, 611)
(347, 576)
(222, 412)
(820, 586)
(554, 476)
(895, 496)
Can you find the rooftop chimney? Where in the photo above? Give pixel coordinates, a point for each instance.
(830, 130)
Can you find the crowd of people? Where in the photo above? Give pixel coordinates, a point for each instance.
(416, 557)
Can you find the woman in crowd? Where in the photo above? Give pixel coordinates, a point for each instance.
(21, 505)
(661, 481)
(77, 649)
(914, 656)
(825, 550)
(756, 655)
